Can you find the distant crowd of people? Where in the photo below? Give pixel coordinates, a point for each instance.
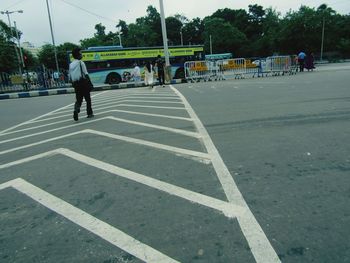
(149, 69)
(306, 61)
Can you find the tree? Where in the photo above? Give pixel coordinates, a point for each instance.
(225, 37)
(237, 18)
(8, 57)
(193, 32)
(173, 27)
(47, 56)
(100, 31)
(123, 28)
(142, 35)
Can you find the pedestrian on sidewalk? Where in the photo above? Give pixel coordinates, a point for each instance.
(81, 82)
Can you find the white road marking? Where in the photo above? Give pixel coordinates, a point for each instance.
(236, 207)
(154, 107)
(132, 99)
(36, 118)
(99, 113)
(260, 246)
(228, 209)
(195, 155)
(90, 223)
(29, 121)
(96, 109)
(145, 95)
(174, 130)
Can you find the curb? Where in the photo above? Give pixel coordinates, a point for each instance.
(37, 93)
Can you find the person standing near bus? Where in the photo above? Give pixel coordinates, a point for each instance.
(160, 69)
(82, 85)
(136, 73)
(148, 74)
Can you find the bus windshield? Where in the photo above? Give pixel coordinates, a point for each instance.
(111, 64)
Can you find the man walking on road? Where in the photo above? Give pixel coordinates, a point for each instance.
(81, 82)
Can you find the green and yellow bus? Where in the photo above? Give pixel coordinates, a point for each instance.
(110, 64)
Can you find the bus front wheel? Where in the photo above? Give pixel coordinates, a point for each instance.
(180, 73)
(113, 78)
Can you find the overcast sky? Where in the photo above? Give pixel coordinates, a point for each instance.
(72, 24)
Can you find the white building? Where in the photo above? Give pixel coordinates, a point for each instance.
(30, 47)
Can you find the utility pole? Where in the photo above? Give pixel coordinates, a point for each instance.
(164, 34)
(211, 45)
(182, 42)
(165, 43)
(120, 39)
(321, 57)
(19, 46)
(52, 36)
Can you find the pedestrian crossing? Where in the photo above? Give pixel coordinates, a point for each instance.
(158, 124)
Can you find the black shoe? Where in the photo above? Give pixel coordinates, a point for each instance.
(90, 116)
(75, 116)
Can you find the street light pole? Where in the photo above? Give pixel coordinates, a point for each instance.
(164, 34)
(168, 76)
(120, 39)
(211, 45)
(14, 45)
(19, 46)
(52, 36)
(322, 38)
(182, 42)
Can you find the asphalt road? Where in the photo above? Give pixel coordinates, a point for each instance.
(145, 181)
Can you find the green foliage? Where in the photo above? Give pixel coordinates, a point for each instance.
(173, 26)
(193, 32)
(8, 59)
(225, 37)
(47, 56)
(256, 32)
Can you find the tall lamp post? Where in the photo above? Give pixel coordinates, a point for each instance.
(9, 20)
(165, 43)
(182, 42)
(120, 39)
(321, 57)
(211, 45)
(52, 36)
(19, 45)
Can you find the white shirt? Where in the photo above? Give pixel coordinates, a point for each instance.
(75, 71)
(136, 72)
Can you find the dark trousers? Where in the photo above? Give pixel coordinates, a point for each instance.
(301, 65)
(161, 77)
(80, 94)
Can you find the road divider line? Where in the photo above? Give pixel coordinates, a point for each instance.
(146, 95)
(260, 246)
(158, 127)
(104, 112)
(228, 209)
(114, 106)
(102, 229)
(154, 107)
(194, 155)
(36, 118)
